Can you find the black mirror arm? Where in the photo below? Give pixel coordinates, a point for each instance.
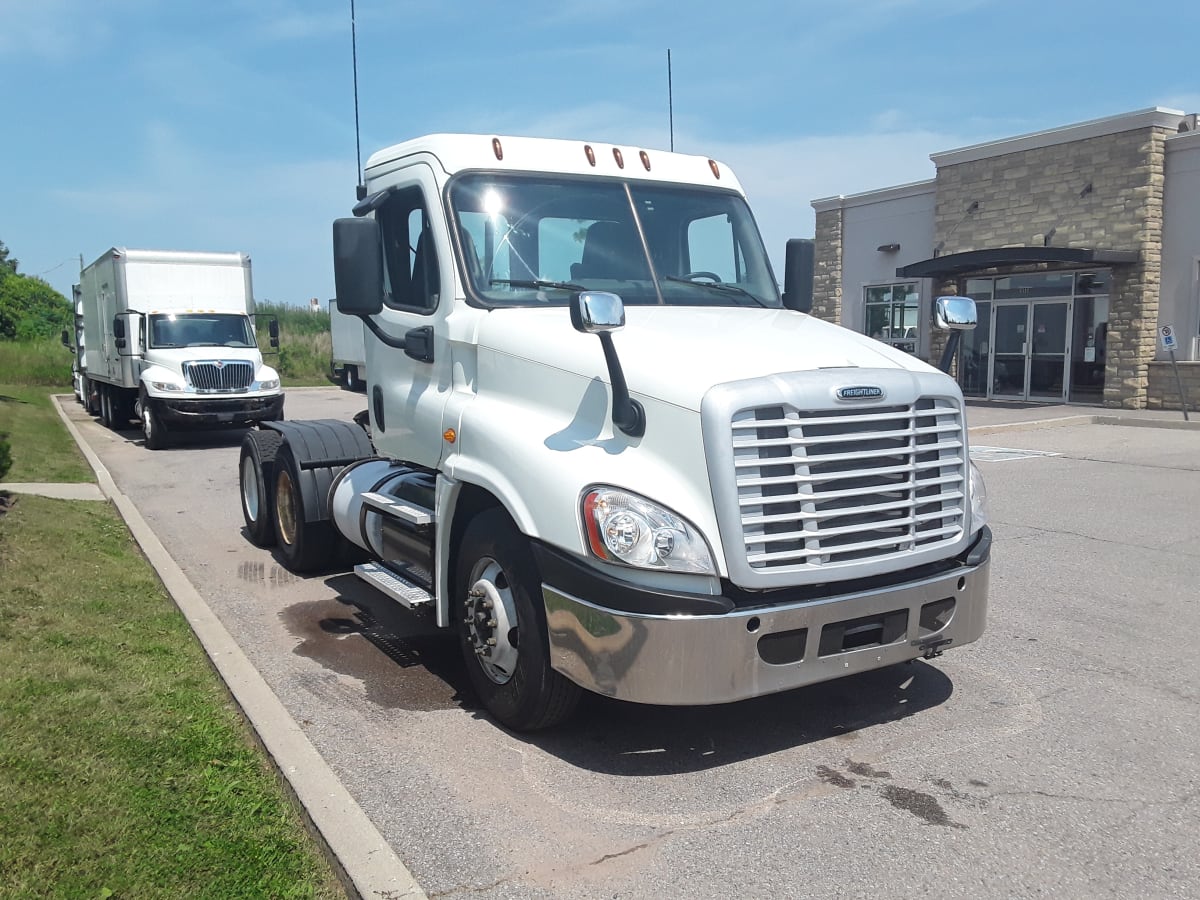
(417, 343)
(627, 413)
(951, 349)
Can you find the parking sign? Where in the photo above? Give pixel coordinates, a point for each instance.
(1166, 336)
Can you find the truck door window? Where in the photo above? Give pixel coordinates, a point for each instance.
(411, 275)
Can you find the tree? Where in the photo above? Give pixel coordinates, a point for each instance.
(8, 265)
(30, 309)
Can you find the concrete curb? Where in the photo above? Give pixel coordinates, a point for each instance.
(366, 865)
(1129, 421)
(61, 490)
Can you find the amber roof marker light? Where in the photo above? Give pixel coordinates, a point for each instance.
(590, 154)
(618, 157)
(645, 159)
(712, 164)
(497, 149)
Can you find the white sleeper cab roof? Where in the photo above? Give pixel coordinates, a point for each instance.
(460, 152)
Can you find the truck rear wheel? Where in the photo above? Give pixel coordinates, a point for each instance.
(304, 546)
(257, 478)
(105, 404)
(502, 627)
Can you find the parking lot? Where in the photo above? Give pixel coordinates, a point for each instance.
(1057, 756)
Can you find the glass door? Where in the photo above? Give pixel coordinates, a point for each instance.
(1048, 351)
(1010, 344)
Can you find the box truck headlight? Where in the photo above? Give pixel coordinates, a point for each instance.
(624, 528)
(269, 385)
(979, 510)
(166, 385)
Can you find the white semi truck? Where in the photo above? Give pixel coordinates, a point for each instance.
(348, 360)
(603, 449)
(168, 338)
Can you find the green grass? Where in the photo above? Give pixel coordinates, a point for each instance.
(125, 771)
(305, 344)
(35, 363)
(41, 448)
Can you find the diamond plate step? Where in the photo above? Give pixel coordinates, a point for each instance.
(403, 592)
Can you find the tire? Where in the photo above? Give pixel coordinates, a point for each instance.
(502, 627)
(153, 430)
(256, 478)
(350, 376)
(105, 404)
(304, 546)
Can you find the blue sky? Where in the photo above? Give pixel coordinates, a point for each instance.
(229, 125)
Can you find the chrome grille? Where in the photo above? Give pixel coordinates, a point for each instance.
(817, 488)
(235, 375)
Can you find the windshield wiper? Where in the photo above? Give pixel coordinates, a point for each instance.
(718, 286)
(554, 285)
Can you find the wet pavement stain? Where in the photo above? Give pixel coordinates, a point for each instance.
(921, 805)
(834, 777)
(260, 573)
(866, 771)
(418, 671)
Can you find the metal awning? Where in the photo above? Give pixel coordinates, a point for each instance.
(978, 260)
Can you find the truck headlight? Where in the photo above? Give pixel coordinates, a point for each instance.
(269, 385)
(979, 510)
(166, 386)
(624, 528)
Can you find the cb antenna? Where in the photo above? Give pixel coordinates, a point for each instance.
(670, 100)
(361, 190)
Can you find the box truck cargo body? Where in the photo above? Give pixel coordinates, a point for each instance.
(168, 337)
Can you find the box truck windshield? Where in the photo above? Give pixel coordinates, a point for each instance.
(209, 330)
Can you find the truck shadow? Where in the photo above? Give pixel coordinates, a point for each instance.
(419, 668)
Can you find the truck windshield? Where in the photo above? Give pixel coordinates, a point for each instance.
(534, 239)
(200, 330)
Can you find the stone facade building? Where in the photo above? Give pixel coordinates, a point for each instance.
(1078, 245)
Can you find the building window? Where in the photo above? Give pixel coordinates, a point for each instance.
(893, 314)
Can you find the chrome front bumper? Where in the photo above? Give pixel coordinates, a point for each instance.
(704, 659)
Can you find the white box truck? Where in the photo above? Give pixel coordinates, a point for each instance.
(608, 453)
(168, 337)
(348, 360)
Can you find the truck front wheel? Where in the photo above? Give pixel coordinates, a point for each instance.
(257, 476)
(153, 430)
(304, 546)
(502, 628)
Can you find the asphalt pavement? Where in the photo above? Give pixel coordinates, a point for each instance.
(1058, 755)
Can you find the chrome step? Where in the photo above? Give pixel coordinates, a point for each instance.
(403, 592)
(390, 506)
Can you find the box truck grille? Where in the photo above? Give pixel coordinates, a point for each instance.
(235, 375)
(825, 487)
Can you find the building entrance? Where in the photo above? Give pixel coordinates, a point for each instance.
(1041, 337)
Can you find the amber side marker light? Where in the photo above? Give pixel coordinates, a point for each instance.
(450, 435)
(590, 154)
(497, 149)
(712, 164)
(645, 159)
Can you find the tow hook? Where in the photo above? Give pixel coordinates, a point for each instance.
(933, 649)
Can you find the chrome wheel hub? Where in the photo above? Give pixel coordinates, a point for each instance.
(491, 621)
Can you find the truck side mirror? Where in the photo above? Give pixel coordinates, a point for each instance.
(119, 332)
(66, 339)
(358, 266)
(601, 313)
(273, 333)
(956, 315)
(798, 267)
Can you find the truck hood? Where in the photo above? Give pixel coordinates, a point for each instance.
(676, 353)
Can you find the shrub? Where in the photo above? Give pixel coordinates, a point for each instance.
(5, 456)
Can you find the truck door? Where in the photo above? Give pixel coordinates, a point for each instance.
(407, 394)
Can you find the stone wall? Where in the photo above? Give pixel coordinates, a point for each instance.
(1162, 390)
(827, 266)
(1101, 192)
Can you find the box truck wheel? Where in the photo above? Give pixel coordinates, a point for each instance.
(106, 410)
(502, 627)
(350, 377)
(153, 430)
(304, 546)
(257, 477)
